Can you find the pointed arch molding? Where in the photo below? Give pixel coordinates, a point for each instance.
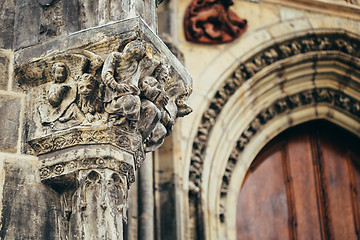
(300, 78)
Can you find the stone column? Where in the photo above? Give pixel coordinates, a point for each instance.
(146, 203)
(97, 101)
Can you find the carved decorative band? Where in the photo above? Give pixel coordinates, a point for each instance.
(338, 42)
(66, 168)
(84, 136)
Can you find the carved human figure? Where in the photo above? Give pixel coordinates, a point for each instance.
(178, 105)
(121, 75)
(170, 104)
(61, 98)
(153, 112)
(59, 89)
(89, 98)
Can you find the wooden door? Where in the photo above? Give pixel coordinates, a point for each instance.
(304, 185)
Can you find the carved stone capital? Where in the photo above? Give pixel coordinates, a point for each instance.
(127, 94)
(62, 166)
(94, 108)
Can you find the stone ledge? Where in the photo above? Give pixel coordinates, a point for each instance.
(82, 137)
(100, 39)
(60, 167)
(340, 8)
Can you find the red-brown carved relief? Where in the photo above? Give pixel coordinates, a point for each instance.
(211, 21)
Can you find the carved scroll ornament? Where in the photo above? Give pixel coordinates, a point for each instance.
(211, 21)
(92, 120)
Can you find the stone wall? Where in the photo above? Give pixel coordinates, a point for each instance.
(32, 29)
(27, 207)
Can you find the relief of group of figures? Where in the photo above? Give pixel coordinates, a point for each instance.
(134, 92)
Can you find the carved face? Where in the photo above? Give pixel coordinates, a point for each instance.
(60, 74)
(86, 86)
(162, 74)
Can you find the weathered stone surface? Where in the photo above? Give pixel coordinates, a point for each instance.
(165, 191)
(9, 118)
(96, 101)
(7, 16)
(39, 21)
(4, 70)
(27, 24)
(29, 208)
(134, 84)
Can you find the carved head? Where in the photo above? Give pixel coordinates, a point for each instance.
(86, 85)
(183, 105)
(59, 72)
(162, 73)
(134, 49)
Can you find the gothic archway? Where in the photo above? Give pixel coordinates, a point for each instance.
(299, 78)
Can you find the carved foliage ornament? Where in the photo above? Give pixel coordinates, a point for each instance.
(212, 21)
(246, 70)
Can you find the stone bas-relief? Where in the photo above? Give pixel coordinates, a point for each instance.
(211, 21)
(132, 90)
(91, 121)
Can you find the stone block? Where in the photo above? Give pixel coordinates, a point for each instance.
(4, 70)
(9, 118)
(251, 43)
(289, 13)
(7, 16)
(288, 27)
(30, 209)
(27, 25)
(258, 15)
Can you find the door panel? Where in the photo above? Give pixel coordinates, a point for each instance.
(267, 219)
(338, 201)
(307, 223)
(303, 185)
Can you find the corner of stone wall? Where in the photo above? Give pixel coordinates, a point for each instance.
(21, 192)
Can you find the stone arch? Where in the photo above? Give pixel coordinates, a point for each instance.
(299, 78)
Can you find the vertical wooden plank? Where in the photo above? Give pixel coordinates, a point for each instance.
(354, 173)
(303, 184)
(321, 194)
(262, 211)
(290, 193)
(337, 187)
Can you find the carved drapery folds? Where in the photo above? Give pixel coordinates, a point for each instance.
(92, 115)
(211, 21)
